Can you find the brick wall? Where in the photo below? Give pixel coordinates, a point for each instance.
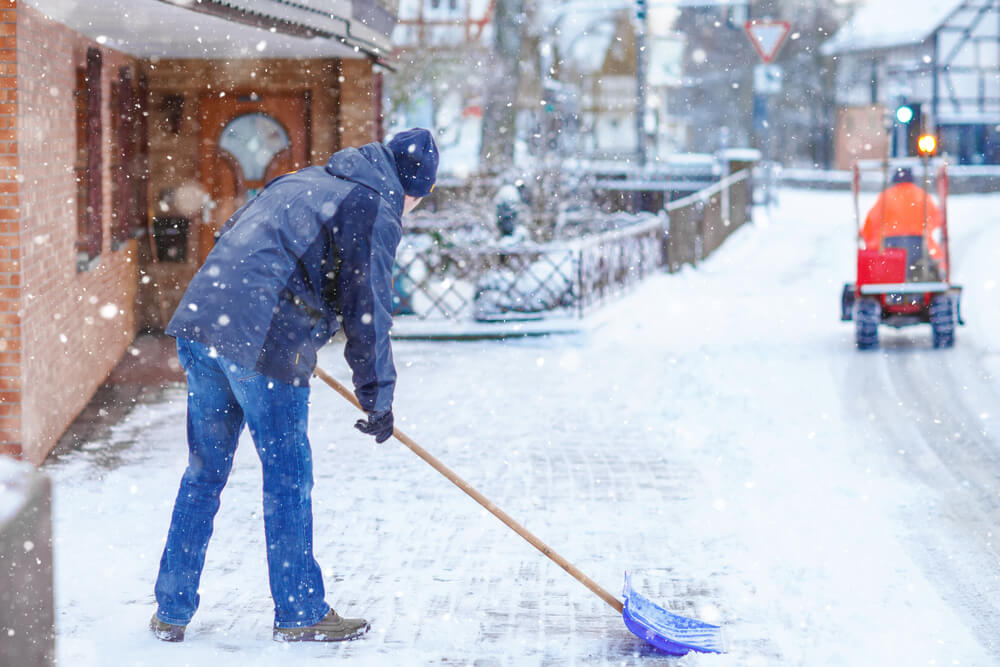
(357, 103)
(10, 242)
(62, 331)
(74, 325)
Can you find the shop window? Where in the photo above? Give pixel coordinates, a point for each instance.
(114, 168)
(125, 179)
(970, 143)
(142, 156)
(88, 161)
(991, 147)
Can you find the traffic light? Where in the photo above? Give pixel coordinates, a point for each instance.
(909, 122)
(640, 9)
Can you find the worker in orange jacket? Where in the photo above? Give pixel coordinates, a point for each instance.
(900, 211)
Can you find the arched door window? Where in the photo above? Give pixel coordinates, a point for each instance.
(247, 140)
(254, 139)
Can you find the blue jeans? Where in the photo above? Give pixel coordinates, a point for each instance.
(222, 397)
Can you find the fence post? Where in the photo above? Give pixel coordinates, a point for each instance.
(748, 201)
(699, 237)
(622, 272)
(665, 241)
(725, 214)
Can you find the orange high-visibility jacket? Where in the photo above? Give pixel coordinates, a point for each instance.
(899, 211)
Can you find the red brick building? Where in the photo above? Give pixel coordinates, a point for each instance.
(129, 130)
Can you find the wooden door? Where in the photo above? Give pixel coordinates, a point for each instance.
(246, 140)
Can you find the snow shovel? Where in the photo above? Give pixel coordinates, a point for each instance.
(670, 633)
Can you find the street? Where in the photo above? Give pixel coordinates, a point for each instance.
(715, 431)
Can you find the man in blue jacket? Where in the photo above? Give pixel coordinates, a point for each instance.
(312, 252)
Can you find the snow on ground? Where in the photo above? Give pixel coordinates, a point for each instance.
(707, 436)
(14, 480)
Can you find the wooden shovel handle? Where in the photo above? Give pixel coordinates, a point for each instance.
(615, 603)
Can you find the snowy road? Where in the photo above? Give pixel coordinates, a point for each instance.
(719, 434)
(939, 413)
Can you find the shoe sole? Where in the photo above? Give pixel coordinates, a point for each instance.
(171, 635)
(321, 636)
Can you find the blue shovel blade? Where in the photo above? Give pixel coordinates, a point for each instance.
(673, 634)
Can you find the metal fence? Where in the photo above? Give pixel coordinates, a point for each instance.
(471, 276)
(611, 262)
(701, 222)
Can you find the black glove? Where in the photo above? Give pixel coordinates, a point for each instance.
(378, 424)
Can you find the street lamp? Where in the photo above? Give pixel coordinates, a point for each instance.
(927, 145)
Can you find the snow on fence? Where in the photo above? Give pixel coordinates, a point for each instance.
(482, 280)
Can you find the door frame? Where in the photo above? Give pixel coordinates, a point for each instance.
(221, 175)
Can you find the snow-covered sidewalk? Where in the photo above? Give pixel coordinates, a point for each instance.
(700, 437)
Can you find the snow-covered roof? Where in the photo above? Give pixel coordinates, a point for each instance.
(583, 30)
(363, 23)
(881, 24)
(215, 29)
(583, 42)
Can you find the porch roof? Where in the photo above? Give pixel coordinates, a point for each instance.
(228, 29)
(883, 24)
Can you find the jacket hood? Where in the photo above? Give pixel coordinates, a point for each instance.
(372, 166)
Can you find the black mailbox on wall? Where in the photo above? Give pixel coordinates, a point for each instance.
(170, 234)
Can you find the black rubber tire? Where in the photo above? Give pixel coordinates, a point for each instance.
(943, 321)
(847, 303)
(867, 316)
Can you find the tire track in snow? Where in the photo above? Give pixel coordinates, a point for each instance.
(971, 508)
(935, 437)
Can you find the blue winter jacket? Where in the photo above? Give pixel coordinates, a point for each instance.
(312, 252)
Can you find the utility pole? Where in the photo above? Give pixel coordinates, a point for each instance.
(640, 81)
(503, 84)
(767, 36)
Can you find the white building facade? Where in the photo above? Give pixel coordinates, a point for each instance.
(938, 58)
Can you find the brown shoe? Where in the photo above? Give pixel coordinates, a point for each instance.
(167, 632)
(333, 628)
